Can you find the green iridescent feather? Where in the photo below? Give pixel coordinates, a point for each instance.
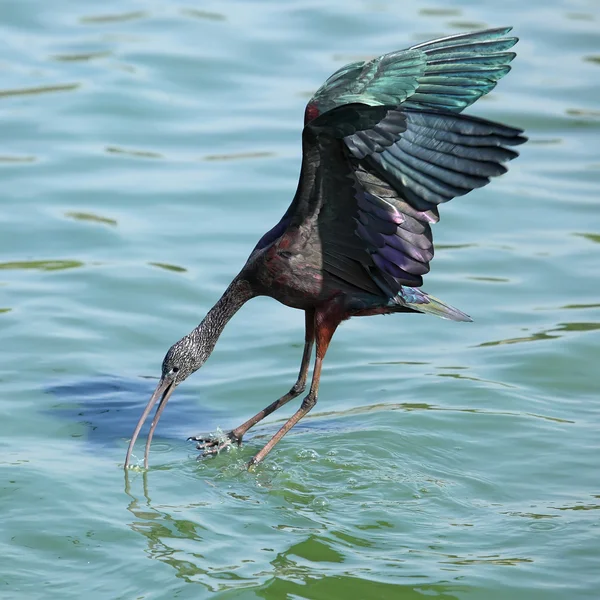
(448, 74)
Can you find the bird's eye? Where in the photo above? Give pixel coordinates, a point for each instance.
(175, 369)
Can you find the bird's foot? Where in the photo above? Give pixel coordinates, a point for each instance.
(213, 443)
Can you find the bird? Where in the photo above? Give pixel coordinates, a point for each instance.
(384, 143)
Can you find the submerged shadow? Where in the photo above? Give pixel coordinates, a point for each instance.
(108, 407)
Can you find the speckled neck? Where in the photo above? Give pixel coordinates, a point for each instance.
(207, 333)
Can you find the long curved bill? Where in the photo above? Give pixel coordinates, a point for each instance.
(162, 392)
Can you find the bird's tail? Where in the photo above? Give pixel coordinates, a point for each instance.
(424, 303)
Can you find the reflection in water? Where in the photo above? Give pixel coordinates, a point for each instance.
(42, 265)
(592, 237)
(546, 142)
(440, 12)
(529, 338)
(577, 306)
(494, 559)
(202, 14)
(469, 26)
(297, 565)
(490, 279)
(80, 57)
(411, 406)
(116, 18)
(549, 334)
(168, 267)
(159, 527)
(349, 585)
(399, 362)
(454, 246)
(41, 89)
(582, 112)
(17, 159)
(239, 156)
(83, 216)
(578, 507)
(528, 515)
(136, 153)
(460, 376)
(309, 555)
(578, 327)
(573, 16)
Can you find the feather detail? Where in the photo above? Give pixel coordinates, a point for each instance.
(448, 73)
(384, 144)
(424, 303)
(441, 155)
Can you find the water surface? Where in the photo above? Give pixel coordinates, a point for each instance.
(145, 148)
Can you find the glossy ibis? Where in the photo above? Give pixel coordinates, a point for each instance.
(383, 145)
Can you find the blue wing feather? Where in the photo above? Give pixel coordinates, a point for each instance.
(422, 171)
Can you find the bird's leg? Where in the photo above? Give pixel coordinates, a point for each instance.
(325, 325)
(297, 388)
(213, 445)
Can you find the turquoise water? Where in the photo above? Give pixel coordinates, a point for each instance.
(145, 148)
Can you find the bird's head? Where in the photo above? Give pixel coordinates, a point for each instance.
(189, 354)
(183, 358)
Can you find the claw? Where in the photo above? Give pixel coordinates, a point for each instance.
(212, 444)
(205, 442)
